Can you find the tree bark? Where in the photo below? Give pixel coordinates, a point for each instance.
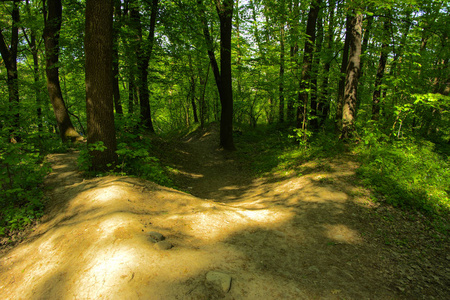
(380, 72)
(294, 17)
(144, 52)
(31, 40)
(282, 66)
(9, 56)
(222, 77)
(52, 19)
(225, 12)
(324, 104)
(341, 86)
(99, 82)
(307, 64)
(315, 114)
(351, 80)
(117, 24)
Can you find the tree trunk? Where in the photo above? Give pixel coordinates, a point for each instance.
(307, 64)
(351, 80)
(315, 114)
(295, 15)
(52, 19)
(225, 11)
(9, 55)
(324, 103)
(99, 82)
(380, 73)
(341, 87)
(222, 77)
(116, 29)
(192, 90)
(144, 54)
(281, 83)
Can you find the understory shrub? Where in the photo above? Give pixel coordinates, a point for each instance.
(22, 171)
(407, 173)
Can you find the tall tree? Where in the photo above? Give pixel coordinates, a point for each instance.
(222, 77)
(144, 52)
(380, 71)
(9, 56)
(282, 64)
(225, 12)
(99, 82)
(117, 24)
(294, 16)
(351, 79)
(342, 76)
(52, 20)
(324, 103)
(307, 64)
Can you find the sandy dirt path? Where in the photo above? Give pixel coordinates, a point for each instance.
(289, 236)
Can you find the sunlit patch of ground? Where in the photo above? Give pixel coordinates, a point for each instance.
(284, 237)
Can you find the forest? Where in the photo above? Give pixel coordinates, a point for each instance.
(286, 80)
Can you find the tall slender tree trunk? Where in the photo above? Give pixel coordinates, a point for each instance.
(324, 103)
(31, 40)
(9, 55)
(282, 66)
(380, 72)
(307, 64)
(117, 24)
(98, 47)
(295, 15)
(222, 77)
(351, 80)
(144, 52)
(192, 90)
(52, 19)
(315, 114)
(341, 85)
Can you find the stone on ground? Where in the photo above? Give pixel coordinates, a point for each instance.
(218, 281)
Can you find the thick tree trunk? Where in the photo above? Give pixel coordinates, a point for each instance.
(351, 80)
(307, 64)
(99, 82)
(225, 11)
(52, 18)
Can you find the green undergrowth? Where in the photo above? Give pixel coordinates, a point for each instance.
(22, 172)
(410, 173)
(275, 148)
(136, 155)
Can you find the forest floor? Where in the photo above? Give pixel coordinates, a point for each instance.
(310, 232)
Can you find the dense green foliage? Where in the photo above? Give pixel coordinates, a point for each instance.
(136, 155)
(22, 170)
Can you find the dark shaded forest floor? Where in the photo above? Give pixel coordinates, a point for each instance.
(309, 232)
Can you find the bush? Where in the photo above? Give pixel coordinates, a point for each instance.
(22, 171)
(407, 173)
